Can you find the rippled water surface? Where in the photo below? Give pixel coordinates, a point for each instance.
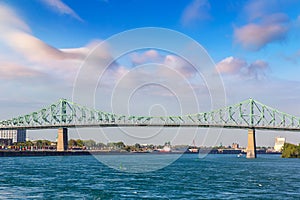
(215, 176)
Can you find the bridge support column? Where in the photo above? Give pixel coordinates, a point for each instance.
(62, 139)
(251, 149)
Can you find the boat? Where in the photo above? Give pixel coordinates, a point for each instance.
(166, 149)
(193, 149)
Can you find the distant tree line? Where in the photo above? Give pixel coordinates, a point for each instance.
(79, 144)
(119, 146)
(37, 144)
(85, 143)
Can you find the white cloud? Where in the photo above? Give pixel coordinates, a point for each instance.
(16, 35)
(231, 65)
(236, 66)
(10, 71)
(171, 61)
(254, 36)
(265, 24)
(181, 66)
(61, 8)
(195, 11)
(147, 56)
(34, 49)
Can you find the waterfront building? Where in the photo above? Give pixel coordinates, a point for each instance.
(15, 135)
(235, 146)
(279, 142)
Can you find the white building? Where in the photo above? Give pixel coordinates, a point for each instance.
(279, 142)
(15, 135)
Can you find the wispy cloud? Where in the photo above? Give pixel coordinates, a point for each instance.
(297, 21)
(256, 9)
(26, 56)
(265, 26)
(258, 69)
(34, 49)
(174, 62)
(43, 61)
(255, 36)
(197, 10)
(9, 20)
(61, 8)
(147, 56)
(10, 71)
(35, 69)
(292, 58)
(16, 35)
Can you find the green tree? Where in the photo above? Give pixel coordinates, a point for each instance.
(120, 145)
(89, 143)
(111, 144)
(79, 143)
(290, 151)
(46, 142)
(128, 148)
(29, 143)
(101, 145)
(72, 143)
(151, 146)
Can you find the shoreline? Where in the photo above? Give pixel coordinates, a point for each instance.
(81, 153)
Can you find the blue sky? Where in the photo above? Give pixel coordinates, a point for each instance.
(254, 44)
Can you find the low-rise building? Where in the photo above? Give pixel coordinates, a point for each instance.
(235, 146)
(15, 135)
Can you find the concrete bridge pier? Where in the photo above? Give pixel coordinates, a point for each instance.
(62, 139)
(251, 148)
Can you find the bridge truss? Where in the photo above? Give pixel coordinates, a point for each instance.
(246, 114)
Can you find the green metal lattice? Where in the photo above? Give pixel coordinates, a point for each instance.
(246, 114)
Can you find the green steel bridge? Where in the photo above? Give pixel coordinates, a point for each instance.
(247, 114)
(63, 114)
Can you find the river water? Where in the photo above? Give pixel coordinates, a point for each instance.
(189, 177)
